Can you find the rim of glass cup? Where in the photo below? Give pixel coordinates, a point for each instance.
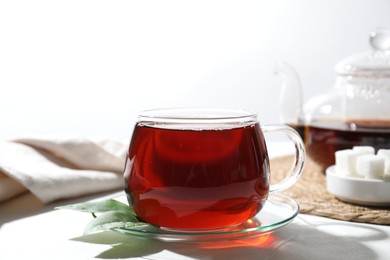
(197, 118)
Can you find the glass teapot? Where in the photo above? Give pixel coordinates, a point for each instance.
(355, 112)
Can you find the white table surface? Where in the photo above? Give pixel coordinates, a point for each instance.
(31, 230)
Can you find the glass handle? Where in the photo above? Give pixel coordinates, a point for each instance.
(300, 154)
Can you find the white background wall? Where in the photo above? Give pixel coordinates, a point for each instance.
(88, 67)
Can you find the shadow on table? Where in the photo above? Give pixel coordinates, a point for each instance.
(295, 241)
(26, 205)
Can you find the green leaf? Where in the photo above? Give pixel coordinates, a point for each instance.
(100, 206)
(112, 214)
(112, 220)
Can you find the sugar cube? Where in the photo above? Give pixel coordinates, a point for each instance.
(364, 149)
(385, 153)
(346, 162)
(371, 166)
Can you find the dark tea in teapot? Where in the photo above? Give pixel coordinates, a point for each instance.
(324, 138)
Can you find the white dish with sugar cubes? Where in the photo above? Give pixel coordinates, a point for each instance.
(361, 176)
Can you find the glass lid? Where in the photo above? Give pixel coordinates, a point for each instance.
(374, 63)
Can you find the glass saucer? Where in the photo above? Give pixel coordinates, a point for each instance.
(279, 210)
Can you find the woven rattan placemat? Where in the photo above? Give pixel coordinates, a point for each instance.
(313, 198)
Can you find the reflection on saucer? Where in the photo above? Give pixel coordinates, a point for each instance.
(261, 241)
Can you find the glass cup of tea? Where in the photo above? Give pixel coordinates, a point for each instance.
(202, 169)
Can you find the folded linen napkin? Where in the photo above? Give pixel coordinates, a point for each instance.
(60, 167)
